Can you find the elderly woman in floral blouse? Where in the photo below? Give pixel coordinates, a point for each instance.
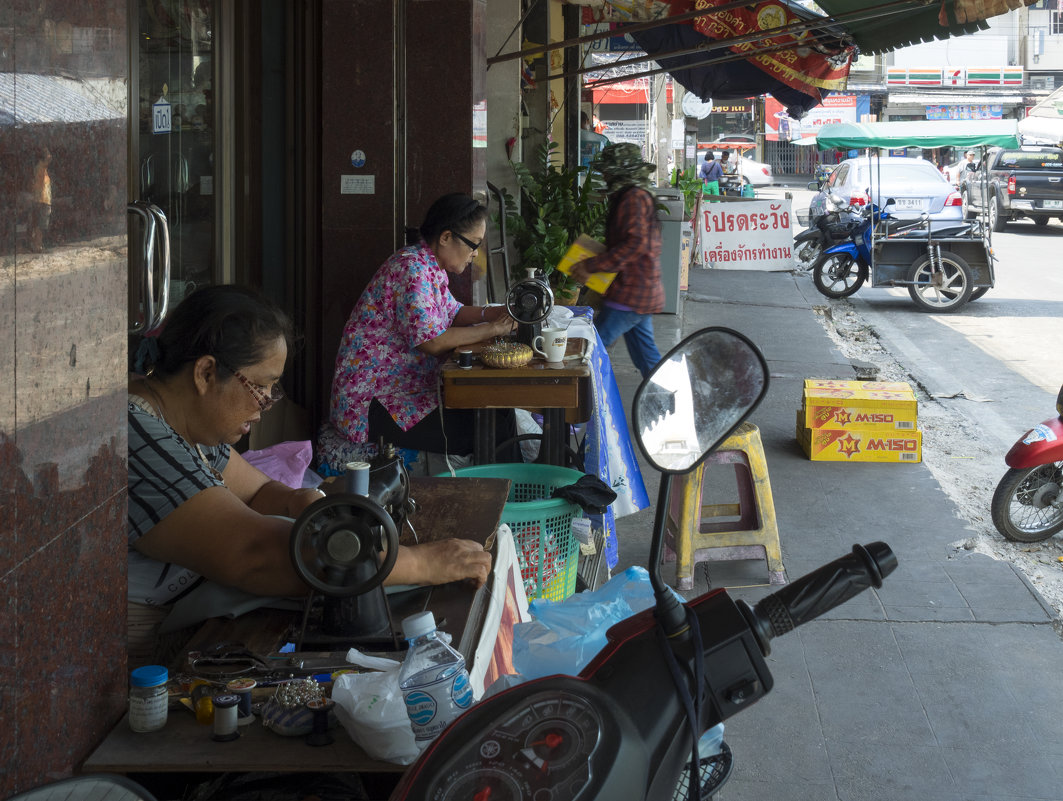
(403, 328)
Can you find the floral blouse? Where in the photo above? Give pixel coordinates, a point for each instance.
(407, 303)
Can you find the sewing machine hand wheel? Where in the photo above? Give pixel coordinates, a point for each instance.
(530, 300)
(343, 538)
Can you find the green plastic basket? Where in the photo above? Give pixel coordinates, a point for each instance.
(541, 525)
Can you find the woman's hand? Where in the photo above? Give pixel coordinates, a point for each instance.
(441, 562)
(501, 326)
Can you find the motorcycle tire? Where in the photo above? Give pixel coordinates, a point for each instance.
(1027, 506)
(808, 250)
(945, 293)
(978, 293)
(838, 275)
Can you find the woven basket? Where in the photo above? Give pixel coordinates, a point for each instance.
(506, 354)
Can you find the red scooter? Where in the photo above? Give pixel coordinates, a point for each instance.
(1028, 502)
(628, 726)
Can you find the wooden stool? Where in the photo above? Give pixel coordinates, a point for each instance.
(730, 531)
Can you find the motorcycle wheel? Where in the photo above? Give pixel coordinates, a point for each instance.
(807, 252)
(947, 291)
(1027, 505)
(838, 275)
(979, 292)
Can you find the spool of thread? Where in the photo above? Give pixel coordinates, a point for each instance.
(320, 709)
(465, 359)
(225, 717)
(357, 477)
(242, 688)
(201, 691)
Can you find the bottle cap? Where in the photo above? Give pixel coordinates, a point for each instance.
(149, 676)
(416, 625)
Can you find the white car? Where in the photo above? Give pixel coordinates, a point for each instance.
(753, 172)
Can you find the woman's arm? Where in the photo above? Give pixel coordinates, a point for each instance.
(263, 494)
(218, 536)
(465, 333)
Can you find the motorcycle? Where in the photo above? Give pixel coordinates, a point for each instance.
(826, 230)
(629, 724)
(907, 254)
(1028, 501)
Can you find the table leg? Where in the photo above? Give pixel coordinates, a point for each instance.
(555, 438)
(484, 436)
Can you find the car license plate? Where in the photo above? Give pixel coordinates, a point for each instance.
(1052, 204)
(909, 203)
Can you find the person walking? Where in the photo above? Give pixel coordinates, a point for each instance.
(633, 252)
(710, 174)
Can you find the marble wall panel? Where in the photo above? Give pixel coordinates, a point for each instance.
(62, 373)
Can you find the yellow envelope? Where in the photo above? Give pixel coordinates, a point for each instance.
(583, 248)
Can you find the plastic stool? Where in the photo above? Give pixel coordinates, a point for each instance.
(724, 532)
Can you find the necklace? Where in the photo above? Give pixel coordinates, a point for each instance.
(155, 410)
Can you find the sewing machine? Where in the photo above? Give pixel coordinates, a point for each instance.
(344, 546)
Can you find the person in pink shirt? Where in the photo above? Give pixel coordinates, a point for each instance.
(403, 327)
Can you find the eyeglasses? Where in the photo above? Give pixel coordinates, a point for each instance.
(472, 245)
(265, 397)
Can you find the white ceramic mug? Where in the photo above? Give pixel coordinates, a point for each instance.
(551, 344)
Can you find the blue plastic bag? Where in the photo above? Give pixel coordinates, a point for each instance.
(566, 635)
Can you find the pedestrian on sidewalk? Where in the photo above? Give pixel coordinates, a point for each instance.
(633, 252)
(710, 174)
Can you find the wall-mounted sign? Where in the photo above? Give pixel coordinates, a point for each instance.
(161, 116)
(693, 106)
(357, 184)
(954, 76)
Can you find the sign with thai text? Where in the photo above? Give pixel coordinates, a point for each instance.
(746, 235)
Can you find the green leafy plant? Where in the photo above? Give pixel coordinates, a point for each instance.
(688, 182)
(558, 203)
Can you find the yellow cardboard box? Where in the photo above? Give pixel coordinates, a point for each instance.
(868, 405)
(583, 248)
(859, 445)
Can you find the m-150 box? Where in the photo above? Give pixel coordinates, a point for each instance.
(867, 405)
(859, 444)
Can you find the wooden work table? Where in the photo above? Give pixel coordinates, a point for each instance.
(448, 507)
(562, 393)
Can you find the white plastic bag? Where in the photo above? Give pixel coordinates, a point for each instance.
(371, 709)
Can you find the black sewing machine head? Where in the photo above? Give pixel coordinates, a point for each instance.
(529, 303)
(344, 546)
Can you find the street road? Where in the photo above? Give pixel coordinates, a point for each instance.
(1001, 356)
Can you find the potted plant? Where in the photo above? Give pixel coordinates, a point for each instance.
(558, 203)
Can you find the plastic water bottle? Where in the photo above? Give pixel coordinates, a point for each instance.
(434, 681)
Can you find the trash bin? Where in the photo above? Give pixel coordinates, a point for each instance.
(670, 215)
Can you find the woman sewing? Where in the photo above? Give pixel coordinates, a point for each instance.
(403, 327)
(198, 510)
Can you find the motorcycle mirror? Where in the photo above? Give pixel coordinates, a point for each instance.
(696, 396)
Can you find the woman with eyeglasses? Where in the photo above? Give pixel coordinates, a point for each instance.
(196, 508)
(403, 327)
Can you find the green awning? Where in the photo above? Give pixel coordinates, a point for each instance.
(903, 24)
(924, 134)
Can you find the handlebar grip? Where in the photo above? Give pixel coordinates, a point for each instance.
(819, 591)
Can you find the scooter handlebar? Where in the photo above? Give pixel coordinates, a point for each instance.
(819, 591)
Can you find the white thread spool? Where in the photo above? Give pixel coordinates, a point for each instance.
(225, 717)
(357, 478)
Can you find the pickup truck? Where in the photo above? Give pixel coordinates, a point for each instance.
(1023, 182)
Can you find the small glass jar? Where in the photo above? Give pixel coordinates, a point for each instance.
(149, 699)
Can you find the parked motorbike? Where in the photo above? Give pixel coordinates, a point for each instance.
(628, 725)
(826, 230)
(1028, 501)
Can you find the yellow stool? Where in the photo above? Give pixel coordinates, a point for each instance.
(729, 531)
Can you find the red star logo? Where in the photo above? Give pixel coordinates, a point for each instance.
(842, 417)
(849, 446)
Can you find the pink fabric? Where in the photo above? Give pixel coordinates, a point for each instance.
(407, 303)
(285, 462)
